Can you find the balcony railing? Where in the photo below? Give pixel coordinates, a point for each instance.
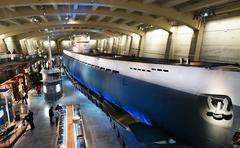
(5, 58)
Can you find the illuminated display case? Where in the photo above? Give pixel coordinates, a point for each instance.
(6, 114)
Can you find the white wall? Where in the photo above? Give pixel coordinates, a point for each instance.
(3, 48)
(109, 45)
(221, 40)
(93, 44)
(30, 47)
(100, 45)
(155, 43)
(181, 41)
(135, 48)
(66, 44)
(124, 45)
(53, 46)
(135, 41)
(10, 43)
(115, 45)
(23, 43)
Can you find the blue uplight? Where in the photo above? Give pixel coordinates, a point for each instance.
(90, 4)
(77, 132)
(135, 114)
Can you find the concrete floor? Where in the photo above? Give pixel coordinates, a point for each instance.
(99, 133)
(43, 136)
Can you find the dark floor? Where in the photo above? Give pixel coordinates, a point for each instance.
(99, 133)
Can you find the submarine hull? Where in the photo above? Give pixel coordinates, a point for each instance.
(180, 114)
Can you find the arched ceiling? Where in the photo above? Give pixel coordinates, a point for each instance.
(117, 28)
(116, 16)
(96, 33)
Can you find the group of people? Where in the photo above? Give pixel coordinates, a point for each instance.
(29, 117)
(54, 113)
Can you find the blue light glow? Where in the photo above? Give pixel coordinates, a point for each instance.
(89, 4)
(77, 132)
(135, 114)
(108, 98)
(138, 115)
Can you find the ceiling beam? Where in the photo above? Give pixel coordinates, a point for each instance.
(228, 8)
(101, 18)
(148, 1)
(160, 22)
(202, 4)
(225, 15)
(37, 33)
(11, 9)
(44, 18)
(184, 18)
(59, 18)
(27, 19)
(129, 11)
(94, 8)
(61, 36)
(33, 7)
(112, 9)
(13, 22)
(137, 24)
(125, 21)
(172, 3)
(14, 30)
(55, 6)
(114, 19)
(87, 17)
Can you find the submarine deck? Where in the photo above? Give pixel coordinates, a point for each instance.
(209, 65)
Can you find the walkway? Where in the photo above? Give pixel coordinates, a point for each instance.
(43, 136)
(99, 132)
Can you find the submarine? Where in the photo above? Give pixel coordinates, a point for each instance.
(197, 103)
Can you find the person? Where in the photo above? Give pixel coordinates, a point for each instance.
(51, 114)
(24, 98)
(58, 108)
(38, 89)
(17, 116)
(57, 116)
(30, 119)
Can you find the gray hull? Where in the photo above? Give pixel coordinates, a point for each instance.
(182, 115)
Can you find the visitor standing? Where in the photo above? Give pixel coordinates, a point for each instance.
(51, 114)
(30, 119)
(24, 98)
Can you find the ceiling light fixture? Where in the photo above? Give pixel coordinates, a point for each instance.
(145, 27)
(35, 20)
(204, 14)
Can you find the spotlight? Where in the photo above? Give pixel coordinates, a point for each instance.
(204, 14)
(35, 20)
(145, 27)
